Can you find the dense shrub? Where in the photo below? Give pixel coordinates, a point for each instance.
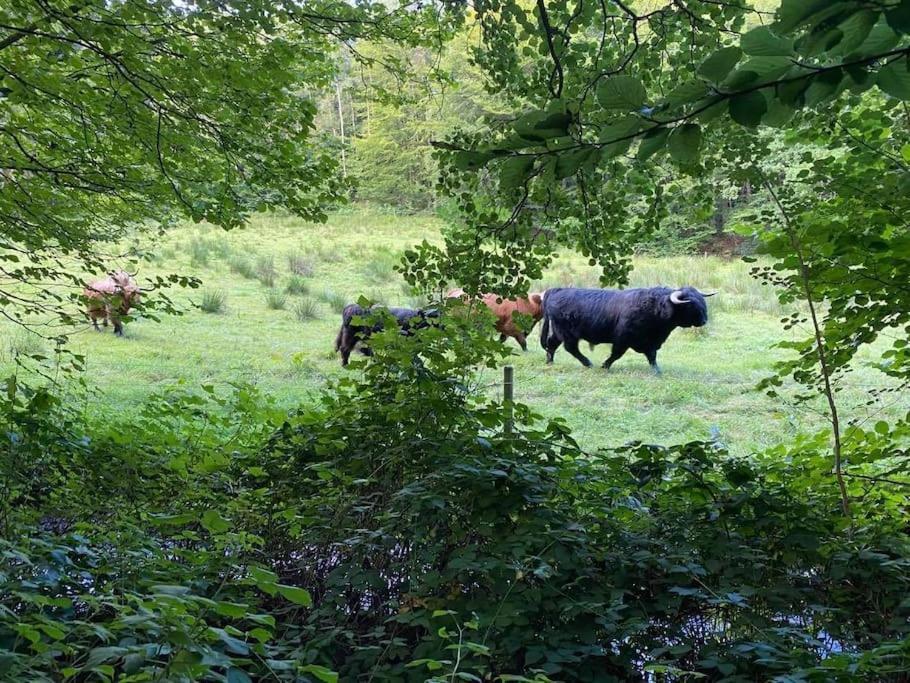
(399, 530)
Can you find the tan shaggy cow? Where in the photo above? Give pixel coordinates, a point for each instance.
(110, 299)
(503, 309)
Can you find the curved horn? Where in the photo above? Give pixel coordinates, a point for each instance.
(676, 297)
(708, 294)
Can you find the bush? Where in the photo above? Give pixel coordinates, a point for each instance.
(276, 299)
(213, 301)
(297, 284)
(266, 271)
(402, 509)
(306, 309)
(301, 265)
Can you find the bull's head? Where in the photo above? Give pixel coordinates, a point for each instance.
(689, 307)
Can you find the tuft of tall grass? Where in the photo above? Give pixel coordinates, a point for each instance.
(328, 254)
(204, 249)
(213, 301)
(276, 299)
(380, 267)
(335, 301)
(242, 266)
(23, 342)
(199, 252)
(297, 284)
(377, 296)
(306, 309)
(301, 264)
(266, 271)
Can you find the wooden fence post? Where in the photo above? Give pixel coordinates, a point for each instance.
(508, 394)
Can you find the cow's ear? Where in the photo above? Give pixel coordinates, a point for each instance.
(536, 298)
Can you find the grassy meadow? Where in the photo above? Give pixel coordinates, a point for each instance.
(270, 306)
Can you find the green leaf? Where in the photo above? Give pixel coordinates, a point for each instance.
(759, 69)
(778, 113)
(101, 655)
(685, 143)
(214, 523)
(763, 42)
(719, 65)
(856, 28)
(621, 92)
(568, 163)
(514, 171)
(174, 520)
(232, 644)
(748, 109)
(235, 675)
(469, 160)
(619, 135)
(652, 142)
(539, 126)
(899, 17)
(320, 672)
(894, 79)
(231, 609)
(881, 39)
(687, 92)
(793, 13)
(824, 86)
(299, 596)
(905, 152)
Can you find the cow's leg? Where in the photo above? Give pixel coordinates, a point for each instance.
(651, 355)
(615, 354)
(118, 326)
(522, 341)
(572, 347)
(502, 338)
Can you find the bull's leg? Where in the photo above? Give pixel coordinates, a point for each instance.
(615, 354)
(502, 338)
(651, 355)
(522, 341)
(553, 343)
(572, 347)
(118, 327)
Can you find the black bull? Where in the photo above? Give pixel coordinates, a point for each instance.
(637, 319)
(351, 333)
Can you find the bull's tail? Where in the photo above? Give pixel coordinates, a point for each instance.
(545, 322)
(338, 339)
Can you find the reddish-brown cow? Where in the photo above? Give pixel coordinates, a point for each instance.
(503, 309)
(110, 299)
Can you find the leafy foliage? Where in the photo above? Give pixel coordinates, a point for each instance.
(208, 540)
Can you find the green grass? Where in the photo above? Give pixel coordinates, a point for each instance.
(706, 390)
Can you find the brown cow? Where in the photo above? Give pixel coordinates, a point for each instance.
(110, 299)
(503, 309)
